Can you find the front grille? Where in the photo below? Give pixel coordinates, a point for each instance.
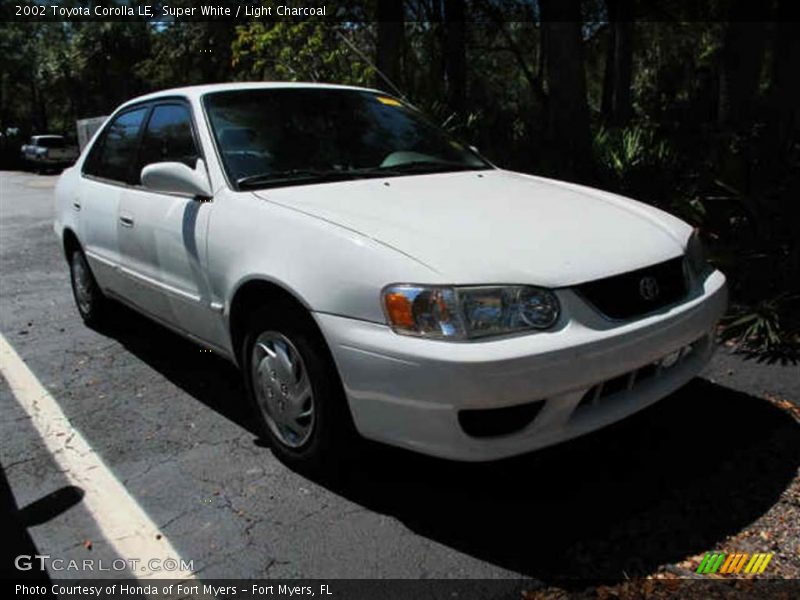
(627, 381)
(637, 292)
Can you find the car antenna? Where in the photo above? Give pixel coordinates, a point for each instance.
(363, 56)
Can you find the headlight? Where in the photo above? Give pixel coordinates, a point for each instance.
(468, 312)
(696, 255)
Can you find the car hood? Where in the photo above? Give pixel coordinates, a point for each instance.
(497, 226)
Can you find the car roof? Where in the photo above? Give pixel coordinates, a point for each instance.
(197, 91)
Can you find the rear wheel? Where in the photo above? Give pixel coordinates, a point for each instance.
(88, 298)
(295, 391)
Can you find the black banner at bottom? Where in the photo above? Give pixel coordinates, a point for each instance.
(399, 589)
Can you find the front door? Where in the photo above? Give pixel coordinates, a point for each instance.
(162, 236)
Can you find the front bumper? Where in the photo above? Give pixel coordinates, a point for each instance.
(408, 391)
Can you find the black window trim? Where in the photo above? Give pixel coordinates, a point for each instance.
(214, 145)
(149, 105)
(168, 101)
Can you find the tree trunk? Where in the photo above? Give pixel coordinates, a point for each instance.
(742, 57)
(568, 111)
(784, 88)
(617, 104)
(40, 112)
(389, 48)
(455, 53)
(784, 94)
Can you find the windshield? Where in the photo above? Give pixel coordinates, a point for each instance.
(50, 142)
(293, 136)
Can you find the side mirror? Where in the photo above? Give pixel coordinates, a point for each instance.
(177, 178)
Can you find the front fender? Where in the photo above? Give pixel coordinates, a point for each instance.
(326, 267)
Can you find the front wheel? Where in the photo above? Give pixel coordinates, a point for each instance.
(295, 392)
(88, 298)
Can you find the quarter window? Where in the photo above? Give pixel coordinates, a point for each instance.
(168, 138)
(113, 154)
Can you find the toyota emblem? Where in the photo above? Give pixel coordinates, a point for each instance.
(648, 288)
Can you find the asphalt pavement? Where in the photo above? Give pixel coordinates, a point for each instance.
(167, 421)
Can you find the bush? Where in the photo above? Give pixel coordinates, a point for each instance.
(635, 162)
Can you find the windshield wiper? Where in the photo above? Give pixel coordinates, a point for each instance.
(303, 176)
(294, 176)
(425, 166)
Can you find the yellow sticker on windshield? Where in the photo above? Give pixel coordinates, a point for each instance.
(388, 101)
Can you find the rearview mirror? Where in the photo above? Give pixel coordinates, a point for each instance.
(177, 178)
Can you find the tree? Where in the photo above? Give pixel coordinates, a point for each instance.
(617, 93)
(742, 58)
(567, 109)
(455, 53)
(389, 47)
(298, 51)
(784, 89)
(188, 53)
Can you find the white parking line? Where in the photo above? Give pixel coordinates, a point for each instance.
(123, 523)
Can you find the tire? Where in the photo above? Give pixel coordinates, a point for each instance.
(306, 419)
(89, 299)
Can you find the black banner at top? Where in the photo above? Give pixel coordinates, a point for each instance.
(359, 11)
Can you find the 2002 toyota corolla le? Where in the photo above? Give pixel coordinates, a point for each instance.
(370, 274)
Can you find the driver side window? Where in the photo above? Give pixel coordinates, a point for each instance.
(111, 156)
(168, 137)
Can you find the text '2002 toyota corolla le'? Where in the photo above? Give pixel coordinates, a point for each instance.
(370, 274)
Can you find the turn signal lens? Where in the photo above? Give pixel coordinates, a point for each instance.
(398, 309)
(423, 310)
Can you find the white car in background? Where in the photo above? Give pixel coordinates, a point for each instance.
(43, 151)
(370, 274)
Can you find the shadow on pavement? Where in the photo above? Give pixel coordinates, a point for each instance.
(667, 483)
(16, 539)
(205, 376)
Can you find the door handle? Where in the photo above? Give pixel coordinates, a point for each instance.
(126, 221)
(76, 205)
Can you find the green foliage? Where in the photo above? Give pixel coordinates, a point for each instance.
(768, 330)
(635, 161)
(674, 75)
(297, 51)
(188, 53)
(53, 73)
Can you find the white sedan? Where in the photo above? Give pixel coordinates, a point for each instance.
(371, 275)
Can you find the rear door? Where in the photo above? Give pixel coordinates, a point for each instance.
(105, 175)
(162, 237)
